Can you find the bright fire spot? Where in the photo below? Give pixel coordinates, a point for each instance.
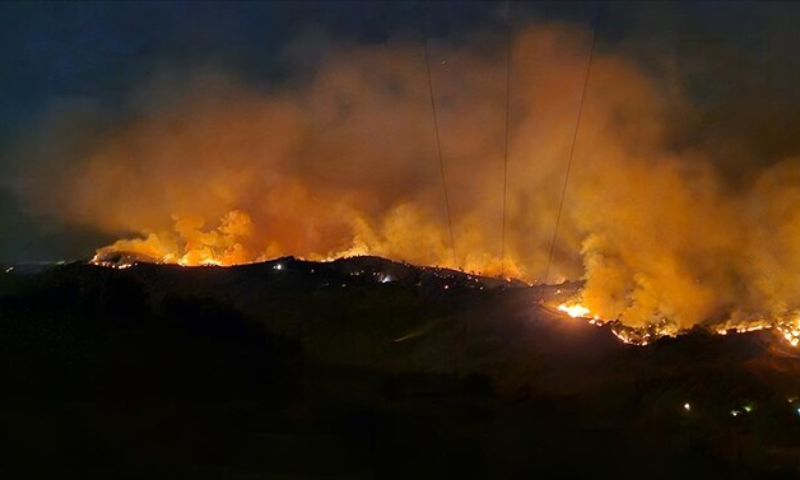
(574, 311)
(687, 407)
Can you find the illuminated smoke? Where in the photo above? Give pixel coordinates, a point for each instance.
(210, 171)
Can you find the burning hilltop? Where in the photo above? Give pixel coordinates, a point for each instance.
(367, 270)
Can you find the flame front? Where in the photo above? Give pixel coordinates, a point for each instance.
(787, 328)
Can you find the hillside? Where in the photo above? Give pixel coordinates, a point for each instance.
(367, 368)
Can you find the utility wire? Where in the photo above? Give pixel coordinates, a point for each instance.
(571, 151)
(505, 152)
(439, 150)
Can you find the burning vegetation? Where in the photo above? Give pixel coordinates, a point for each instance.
(787, 328)
(207, 171)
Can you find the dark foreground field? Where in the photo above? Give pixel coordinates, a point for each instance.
(362, 369)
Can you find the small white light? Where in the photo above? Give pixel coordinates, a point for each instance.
(687, 407)
(278, 267)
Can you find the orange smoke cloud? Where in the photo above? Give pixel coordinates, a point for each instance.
(214, 172)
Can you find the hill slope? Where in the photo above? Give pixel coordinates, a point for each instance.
(364, 368)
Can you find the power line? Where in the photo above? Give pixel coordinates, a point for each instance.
(571, 152)
(439, 151)
(505, 152)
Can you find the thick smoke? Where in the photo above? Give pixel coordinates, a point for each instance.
(209, 170)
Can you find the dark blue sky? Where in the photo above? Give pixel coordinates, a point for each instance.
(738, 59)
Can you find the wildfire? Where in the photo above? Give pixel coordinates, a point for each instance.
(344, 164)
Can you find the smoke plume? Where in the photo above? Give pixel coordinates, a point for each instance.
(207, 169)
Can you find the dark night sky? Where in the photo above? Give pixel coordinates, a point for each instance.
(738, 60)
